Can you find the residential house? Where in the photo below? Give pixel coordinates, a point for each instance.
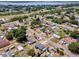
(9, 26)
(56, 36)
(77, 19)
(67, 40)
(31, 41)
(40, 47)
(70, 39)
(20, 48)
(8, 54)
(74, 25)
(50, 55)
(4, 43)
(1, 37)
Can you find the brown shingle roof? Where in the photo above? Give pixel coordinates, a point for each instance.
(4, 43)
(69, 39)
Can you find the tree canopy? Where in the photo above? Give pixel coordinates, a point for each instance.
(19, 33)
(9, 36)
(35, 23)
(31, 52)
(74, 35)
(74, 47)
(19, 18)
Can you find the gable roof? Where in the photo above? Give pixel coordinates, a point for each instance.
(40, 46)
(8, 54)
(4, 43)
(69, 39)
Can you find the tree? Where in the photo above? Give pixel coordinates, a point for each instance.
(35, 23)
(9, 36)
(74, 22)
(58, 50)
(14, 32)
(72, 18)
(74, 35)
(19, 18)
(29, 9)
(21, 34)
(74, 47)
(61, 53)
(49, 17)
(58, 20)
(31, 52)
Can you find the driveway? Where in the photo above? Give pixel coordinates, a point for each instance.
(56, 45)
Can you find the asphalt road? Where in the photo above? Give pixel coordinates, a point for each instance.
(56, 45)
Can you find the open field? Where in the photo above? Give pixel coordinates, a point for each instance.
(27, 14)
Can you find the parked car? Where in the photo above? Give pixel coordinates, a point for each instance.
(61, 49)
(12, 47)
(6, 49)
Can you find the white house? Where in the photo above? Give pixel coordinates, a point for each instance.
(56, 36)
(20, 48)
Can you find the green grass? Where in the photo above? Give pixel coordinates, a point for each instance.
(56, 40)
(0, 32)
(16, 54)
(24, 53)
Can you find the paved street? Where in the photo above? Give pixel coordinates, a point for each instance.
(56, 45)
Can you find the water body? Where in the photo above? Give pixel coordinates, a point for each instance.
(37, 2)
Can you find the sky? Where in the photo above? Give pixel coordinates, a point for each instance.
(36, 2)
